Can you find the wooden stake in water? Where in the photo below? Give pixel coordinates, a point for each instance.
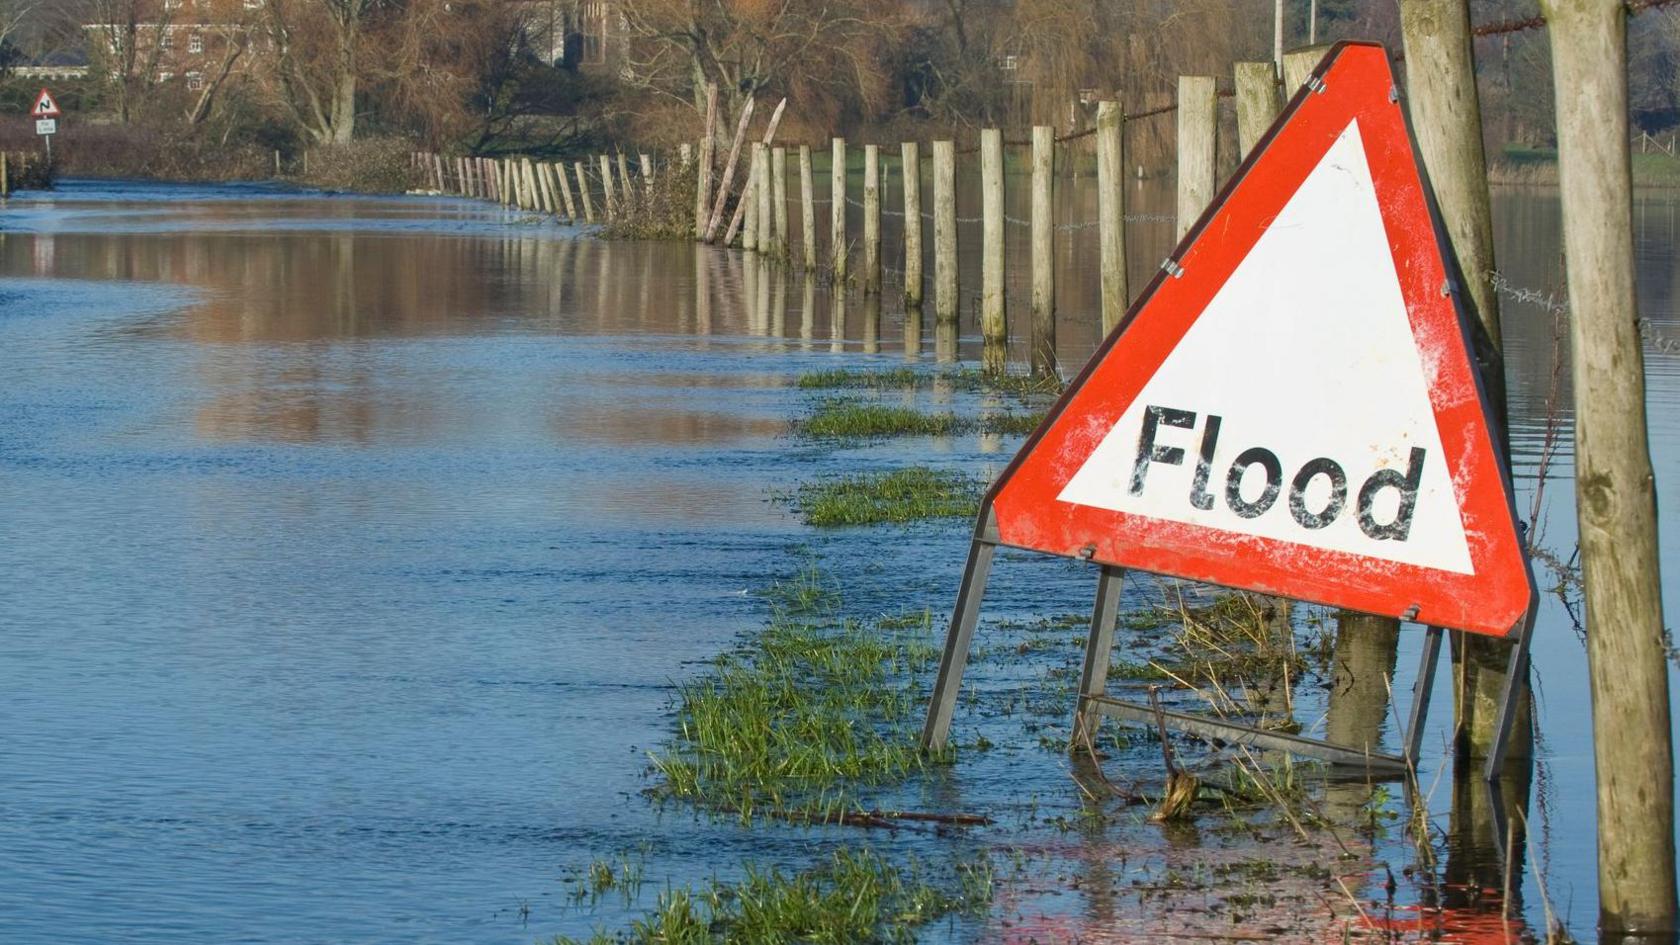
(703, 189)
(946, 304)
(610, 196)
(749, 198)
(1043, 252)
(807, 210)
(1111, 213)
(778, 203)
(871, 219)
(766, 219)
(1446, 117)
(626, 189)
(647, 174)
(837, 211)
(566, 193)
(994, 314)
(1616, 506)
(910, 155)
(722, 202)
(769, 136)
(1258, 103)
(583, 192)
(1198, 114)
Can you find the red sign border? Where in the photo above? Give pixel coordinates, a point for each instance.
(1495, 600)
(45, 94)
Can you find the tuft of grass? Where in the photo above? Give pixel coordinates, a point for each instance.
(852, 896)
(1010, 423)
(903, 495)
(813, 710)
(1019, 385)
(851, 419)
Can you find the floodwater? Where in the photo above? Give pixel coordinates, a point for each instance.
(350, 550)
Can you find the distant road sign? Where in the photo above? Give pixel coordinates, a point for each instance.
(46, 126)
(45, 107)
(1293, 407)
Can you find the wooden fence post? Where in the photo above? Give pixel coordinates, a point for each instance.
(946, 304)
(778, 203)
(749, 200)
(728, 178)
(871, 219)
(647, 174)
(994, 307)
(1617, 505)
(1257, 102)
(1198, 114)
(1043, 252)
(910, 155)
(766, 216)
(1446, 117)
(1298, 66)
(566, 193)
(837, 210)
(1111, 213)
(743, 206)
(626, 190)
(612, 205)
(5, 175)
(583, 192)
(808, 209)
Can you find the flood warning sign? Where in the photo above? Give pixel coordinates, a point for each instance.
(1292, 406)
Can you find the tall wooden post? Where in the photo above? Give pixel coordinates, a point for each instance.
(703, 180)
(778, 203)
(728, 178)
(837, 211)
(1446, 116)
(1043, 252)
(807, 210)
(871, 219)
(646, 163)
(910, 155)
(994, 315)
(626, 190)
(566, 192)
(1616, 506)
(5, 176)
(583, 192)
(609, 192)
(749, 200)
(1298, 65)
(1258, 102)
(1111, 213)
(945, 302)
(766, 216)
(1198, 123)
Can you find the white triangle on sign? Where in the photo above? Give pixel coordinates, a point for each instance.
(1305, 352)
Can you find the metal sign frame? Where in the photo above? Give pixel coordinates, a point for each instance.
(1093, 702)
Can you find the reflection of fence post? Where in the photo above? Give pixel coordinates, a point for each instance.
(837, 211)
(807, 209)
(910, 155)
(1198, 112)
(1111, 213)
(778, 202)
(1446, 118)
(1257, 102)
(945, 301)
(1043, 252)
(994, 316)
(583, 192)
(1617, 506)
(871, 219)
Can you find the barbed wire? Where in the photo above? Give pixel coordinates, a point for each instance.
(1549, 301)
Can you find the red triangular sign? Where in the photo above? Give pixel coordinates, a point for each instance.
(1292, 406)
(45, 107)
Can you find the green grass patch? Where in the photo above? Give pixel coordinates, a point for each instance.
(813, 710)
(852, 896)
(903, 495)
(1020, 385)
(1011, 423)
(852, 419)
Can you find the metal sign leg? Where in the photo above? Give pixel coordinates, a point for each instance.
(963, 618)
(1093, 681)
(1421, 689)
(1516, 685)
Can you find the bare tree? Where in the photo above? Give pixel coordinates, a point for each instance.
(318, 61)
(128, 40)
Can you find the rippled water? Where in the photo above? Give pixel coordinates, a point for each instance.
(349, 549)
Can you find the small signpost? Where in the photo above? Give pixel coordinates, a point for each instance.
(46, 114)
(1291, 407)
